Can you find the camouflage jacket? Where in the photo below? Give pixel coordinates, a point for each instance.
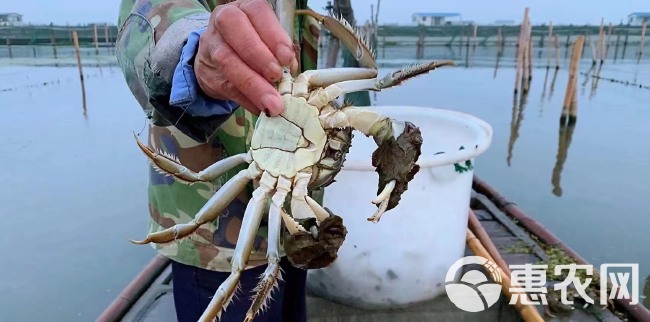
(151, 37)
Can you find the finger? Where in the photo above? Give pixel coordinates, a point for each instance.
(260, 92)
(237, 31)
(216, 86)
(238, 97)
(266, 23)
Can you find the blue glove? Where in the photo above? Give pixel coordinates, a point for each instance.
(185, 92)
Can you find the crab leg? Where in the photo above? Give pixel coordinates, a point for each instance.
(272, 273)
(319, 211)
(210, 211)
(169, 165)
(342, 30)
(292, 225)
(299, 207)
(326, 77)
(249, 227)
(394, 78)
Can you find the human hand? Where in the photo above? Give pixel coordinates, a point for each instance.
(241, 54)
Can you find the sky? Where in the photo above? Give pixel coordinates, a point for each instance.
(391, 11)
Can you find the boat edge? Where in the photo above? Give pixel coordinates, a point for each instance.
(132, 292)
(638, 312)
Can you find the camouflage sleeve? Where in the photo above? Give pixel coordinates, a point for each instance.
(149, 45)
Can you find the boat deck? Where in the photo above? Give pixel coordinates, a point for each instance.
(515, 245)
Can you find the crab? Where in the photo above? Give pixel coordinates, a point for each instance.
(293, 153)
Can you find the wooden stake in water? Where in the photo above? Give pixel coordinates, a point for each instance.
(520, 52)
(420, 44)
(627, 35)
(549, 42)
(594, 54)
(618, 41)
(642, 42)
(95, 39)
(499, 42)
(569, 107)
(557, 52)
(75, 39)
(530, 53)
(106, 39)
(601, 40)
(526, 43)
(11, 54)
(608, 41)
(474, 41)
(53, 41)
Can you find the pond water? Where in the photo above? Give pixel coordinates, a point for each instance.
(74, 182)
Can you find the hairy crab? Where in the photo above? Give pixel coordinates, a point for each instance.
(302, 149)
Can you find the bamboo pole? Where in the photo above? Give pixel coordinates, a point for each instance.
(627, 35)
(530, 54)
(520, 51)
(557, 52)
(527, 312)
(106, 39)
(642, 42)
(474, 41)
(467, 50)
(618, 41)
(526, 44)
(475, 226)
(567, 45)
(549, 42)
(53, 41)
(499, 41)
(601, 39)
(11, 54)
(608, 41)
(499, 51)
(75, 39)
(570, 95)
(594, 54)
(377, 12)
(95, 39)
(419, 54)
(573, 108)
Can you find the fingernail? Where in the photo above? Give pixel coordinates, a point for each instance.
(273, 71)
(285, 54)
(271, 102)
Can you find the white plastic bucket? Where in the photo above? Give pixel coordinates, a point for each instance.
(403, 259)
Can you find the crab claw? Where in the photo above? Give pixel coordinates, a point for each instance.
(395, 162)
(306, 251)
(382, 199)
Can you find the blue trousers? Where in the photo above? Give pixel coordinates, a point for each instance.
(194, 288)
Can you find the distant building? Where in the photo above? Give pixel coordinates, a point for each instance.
(11, 19)
(433, 18)
(638, 18)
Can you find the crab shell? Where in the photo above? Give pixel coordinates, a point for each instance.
(297, 141)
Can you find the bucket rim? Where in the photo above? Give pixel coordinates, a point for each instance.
(482, 137)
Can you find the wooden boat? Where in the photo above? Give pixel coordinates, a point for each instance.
(518, 239)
